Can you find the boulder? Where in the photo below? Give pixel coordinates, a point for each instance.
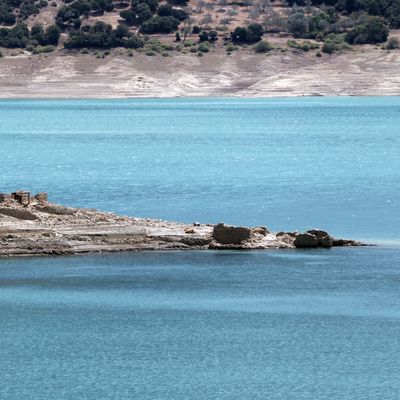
(227, 234)
(326, 241)
(285, 238)
(56, 209)
(318, 233)
(261, 230)
(291, 234)
(306, 240)
(41, 197)
(345, 242)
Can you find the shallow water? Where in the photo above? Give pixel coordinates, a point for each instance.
(290, 325)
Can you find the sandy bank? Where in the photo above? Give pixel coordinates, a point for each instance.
(368, 71)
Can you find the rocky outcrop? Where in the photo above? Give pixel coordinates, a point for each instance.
(305, 241)
(55, 209)
(314, 238)
(227, 234)
(44, 228)
(260, 230)
(19, 214)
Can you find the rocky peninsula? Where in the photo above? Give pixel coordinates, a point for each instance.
(30, 225)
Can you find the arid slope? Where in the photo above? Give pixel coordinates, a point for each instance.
(367, 71)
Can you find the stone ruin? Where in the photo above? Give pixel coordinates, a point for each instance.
(24, 198)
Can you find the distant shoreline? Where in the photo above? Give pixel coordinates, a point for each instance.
(65, 75)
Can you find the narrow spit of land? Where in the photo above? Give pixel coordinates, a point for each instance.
(33, 226)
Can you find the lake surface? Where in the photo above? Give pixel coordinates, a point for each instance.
(286, 164)
(290, 325)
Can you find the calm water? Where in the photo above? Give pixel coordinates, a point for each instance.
(279, 325)
(287, 164)
(289, 325)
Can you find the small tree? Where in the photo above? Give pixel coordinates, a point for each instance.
(297, 24)
(52, 35)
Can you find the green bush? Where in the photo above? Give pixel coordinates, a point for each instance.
(373, 30)
(134, 42)
(392, 44)
(329, 47)
(43, 49)
(204, 47)
(250, 34)
(231, 47)
(159, 25)
(262, 47)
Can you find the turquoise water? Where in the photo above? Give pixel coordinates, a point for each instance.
(290, 325)
(286, 164)
(278, 325)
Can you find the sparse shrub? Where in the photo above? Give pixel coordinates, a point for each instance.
(134, 42)
(193, 49)
(262, 47)
(392, 44)
(43, 49)
(204, 47)
(329, 47)
(231, 47)
(150, 53)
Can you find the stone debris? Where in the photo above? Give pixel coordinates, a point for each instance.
(31, 225)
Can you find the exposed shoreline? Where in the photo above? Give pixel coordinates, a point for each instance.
(367, 71)
(32, 226)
